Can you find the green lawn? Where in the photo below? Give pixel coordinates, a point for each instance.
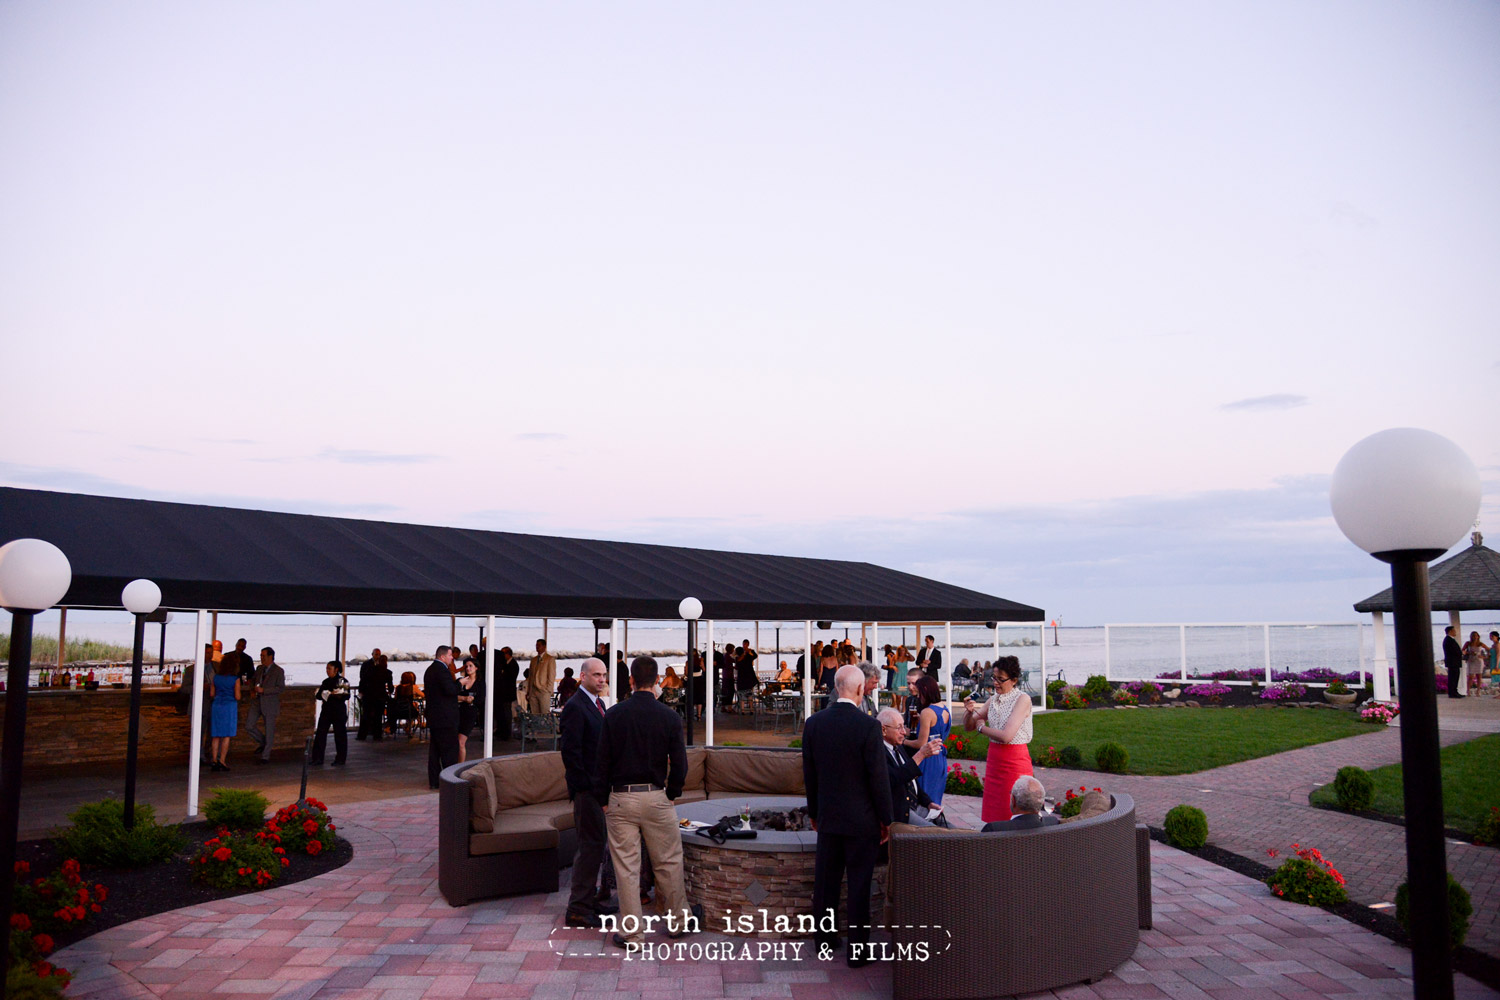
(1181, 741)
(1471, 784)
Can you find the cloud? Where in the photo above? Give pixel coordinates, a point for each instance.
(73, 481)
(1341, 213)
(1266, 404)
(359, 456)
(536, 436)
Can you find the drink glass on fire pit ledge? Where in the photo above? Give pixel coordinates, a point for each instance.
(762, 878)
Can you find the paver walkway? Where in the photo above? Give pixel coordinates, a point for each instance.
(1261, 805)
(378, 930)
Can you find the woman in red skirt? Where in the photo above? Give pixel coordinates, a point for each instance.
(1006, 719)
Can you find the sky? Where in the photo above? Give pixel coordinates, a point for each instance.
(1076, 304)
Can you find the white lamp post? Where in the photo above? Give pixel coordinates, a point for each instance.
(34, 575)
(690, 610)
(1405, 496)
(141, 598)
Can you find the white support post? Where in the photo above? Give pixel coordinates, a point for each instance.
(875, 656)
(1182, 642)
(544, 630)
(615, 649)
(1107, 674)
(1041, 698)
(62, 641)
(1359, 648)
(489, 688)
(997, 646)
(708, 689)
(812, 671)
(1382, 665)
(344, 645)
(1463, 668)
(947, 677)
(195, 720)
(1267, 638)
(452, 629)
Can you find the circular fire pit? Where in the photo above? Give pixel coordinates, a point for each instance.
(745, 885)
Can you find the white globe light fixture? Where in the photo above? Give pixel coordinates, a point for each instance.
(1405, 490)
(34, 575)
(690, 609)
(141, 597)
(1405, 496)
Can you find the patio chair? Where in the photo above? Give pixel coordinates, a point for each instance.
(538, 732)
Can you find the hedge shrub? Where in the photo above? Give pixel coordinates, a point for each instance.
(236, 808)
(1186, 826)
(1096, 688)
(1071, 757)
(98, 836)
(1112, 757)
(1459, 911)
(1354, 788)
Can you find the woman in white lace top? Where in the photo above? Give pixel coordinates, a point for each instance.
(1006, 719)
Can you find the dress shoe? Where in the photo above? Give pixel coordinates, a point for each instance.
(697, 911)
(581, 920)
(261, 760)
(859, 963)
(338, 763)
(217, 767)
(618, 940)
(606, 908)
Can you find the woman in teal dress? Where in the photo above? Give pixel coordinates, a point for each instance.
(933, 719)
(224, 718)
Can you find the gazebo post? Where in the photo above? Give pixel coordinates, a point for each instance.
(1455, 620)
(1382, 666)
(195, 719)
(812, 671)
(708, 688)
(489, 687)
(948, 661)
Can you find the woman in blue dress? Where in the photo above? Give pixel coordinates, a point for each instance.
(933, 719)
(224, 718)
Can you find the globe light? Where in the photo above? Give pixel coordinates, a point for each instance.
(141, 597)
(34, 575)
(1405, 490)
(691, 609)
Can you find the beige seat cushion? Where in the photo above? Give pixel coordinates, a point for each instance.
(686, 796)
(528, 778)
(515, 833)
(559, 814)
(754, 772)
(697, 758)
(481, 798)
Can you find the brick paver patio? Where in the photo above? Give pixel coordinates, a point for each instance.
(378, 930)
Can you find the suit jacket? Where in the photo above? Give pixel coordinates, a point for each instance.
(580, 725)
(843, 767)
(542, 674)
(1025, 821)
(509, 674)
(901, 777)
(272, 681)
(442, 690)
(1453, 654)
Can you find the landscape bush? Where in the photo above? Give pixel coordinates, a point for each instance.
(1124, 697)
(98, 836)
(1072, 698)
(238, 861)
(1460, 908)
(1049, 757)
(1053, 687)
(301, 828)
(1186, 826)
(1308, 878)
(1377, 712)
(1071, 757)
(961, 782)
(55, 902)
(1112, 757)
(236, 808)
(1096, 688)
(1488, 830)
(1354, 788)
(964, 745)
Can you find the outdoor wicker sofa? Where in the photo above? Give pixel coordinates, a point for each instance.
(505, 824)
(1028, 910)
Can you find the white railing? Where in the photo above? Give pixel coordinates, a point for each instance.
(1264, 670)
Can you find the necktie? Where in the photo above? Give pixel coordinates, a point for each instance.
(599, 705)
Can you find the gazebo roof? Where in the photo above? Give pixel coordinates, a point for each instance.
(1468, 581)
(226, 559)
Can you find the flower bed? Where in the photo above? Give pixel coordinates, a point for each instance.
(1213, 693)
(42, 909)
(1287, 691)
(1307, 878)
(961, 782)
(1379, 712)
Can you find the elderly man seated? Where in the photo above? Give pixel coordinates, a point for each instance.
(1027, 799)
(909, 802)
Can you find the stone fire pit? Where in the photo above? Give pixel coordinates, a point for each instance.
(763, 878)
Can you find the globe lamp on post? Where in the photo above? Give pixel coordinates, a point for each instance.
(690, 610)
(1406, 496)
(141, 598)
(34, 575)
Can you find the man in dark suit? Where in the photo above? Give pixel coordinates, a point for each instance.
(580, 725)
(930, 658)
(849, 801)
(243, 665)
(442, 690)
(904, 770)
(508, 671)
(636, 786)
(1453, 659)
(374, 689)
(1027, 799)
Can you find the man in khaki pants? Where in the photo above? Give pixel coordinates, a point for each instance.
(640, 738)
(541, 677)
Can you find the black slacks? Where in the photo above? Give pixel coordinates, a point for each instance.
(336, 719)
(1453, 681)
(442, 752)
(837, 855)
(588, 823)
(372, 715)
(504, 709)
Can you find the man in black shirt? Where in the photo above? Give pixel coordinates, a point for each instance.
(244, 667)
(635, 785)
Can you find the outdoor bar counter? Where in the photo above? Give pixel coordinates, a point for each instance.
(68, 728)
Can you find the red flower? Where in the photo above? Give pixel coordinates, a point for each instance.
(94, 908)
(20, 921)
(285, 863)
(222, 854)
(79, 913)
(314, 846)
(70, 866)
(100, 892)
(22, 868)
(1271, 852)
(42, 968)
(43, 943)
(66, 916)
